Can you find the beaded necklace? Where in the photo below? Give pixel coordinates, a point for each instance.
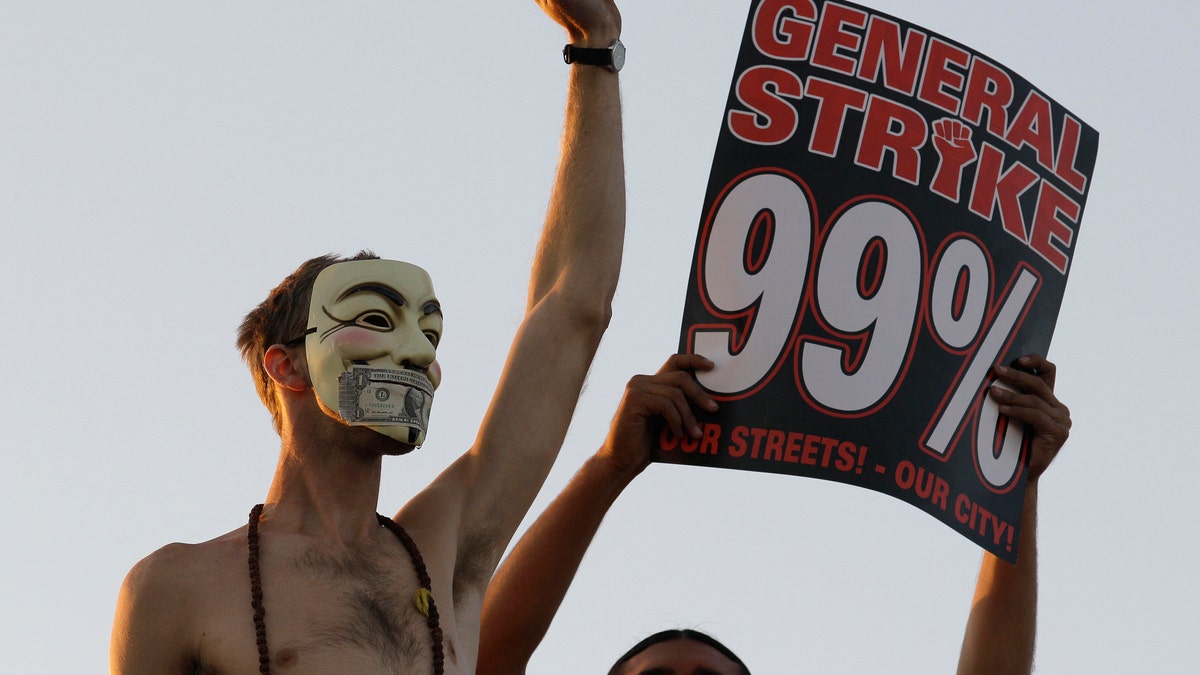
(423, 598)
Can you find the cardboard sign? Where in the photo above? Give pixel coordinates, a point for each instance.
(889, 215)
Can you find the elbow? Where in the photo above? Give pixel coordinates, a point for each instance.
(587, 304)
(591, 315)
(596, 301)
(599, 308)
(583, 313)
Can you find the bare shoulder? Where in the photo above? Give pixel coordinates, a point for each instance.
(176, 570)
(159, 578)
(168, 600)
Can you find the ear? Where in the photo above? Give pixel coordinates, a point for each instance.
(287, 367)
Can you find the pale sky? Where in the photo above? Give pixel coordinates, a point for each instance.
(164, 164)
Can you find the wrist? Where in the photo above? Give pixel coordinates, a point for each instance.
(610, 57)
(1031, 493)
(598, 40)
(596, 37)
(614, 469)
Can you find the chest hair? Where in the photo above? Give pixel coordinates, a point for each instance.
(366, 607)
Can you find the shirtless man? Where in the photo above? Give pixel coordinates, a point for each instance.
(334, 588)
(531, 584)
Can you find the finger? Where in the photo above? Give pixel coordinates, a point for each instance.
(669, 414)
(1027, 377)
(671, 403)
(673, 410)
(1051, 425)
(698, 395)
(662, 396)
(1039, 365)
(686, 362)
(1032, 411)
(686, 380)
(1016, 400)
(1040, 409)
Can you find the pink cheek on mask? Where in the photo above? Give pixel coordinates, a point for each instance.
(356, 344)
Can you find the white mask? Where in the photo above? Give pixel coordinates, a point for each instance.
(373, 329)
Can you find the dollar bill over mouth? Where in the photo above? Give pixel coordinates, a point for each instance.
(385, 396)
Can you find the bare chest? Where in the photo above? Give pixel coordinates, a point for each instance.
(326, 611)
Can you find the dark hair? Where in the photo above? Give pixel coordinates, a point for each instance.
(618, 668)
(281, 318)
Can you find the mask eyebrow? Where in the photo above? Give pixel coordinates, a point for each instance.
(387, 292)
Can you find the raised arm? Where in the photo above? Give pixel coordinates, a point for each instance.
(487, 491)
(1002, 626)
(579, 255)
(528, 588)
(571, 287)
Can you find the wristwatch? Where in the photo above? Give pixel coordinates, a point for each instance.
(611, 57)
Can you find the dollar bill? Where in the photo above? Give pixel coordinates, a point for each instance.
(377, 396)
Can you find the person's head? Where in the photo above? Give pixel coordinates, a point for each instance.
(679, 652)
(376, 317)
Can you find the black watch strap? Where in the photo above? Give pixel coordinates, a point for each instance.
(611, 57)
(587, 56)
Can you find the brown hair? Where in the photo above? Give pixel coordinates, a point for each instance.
(618, 668)
(281, 319)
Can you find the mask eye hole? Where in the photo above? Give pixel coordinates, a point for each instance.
(432, 337)
(374, 321)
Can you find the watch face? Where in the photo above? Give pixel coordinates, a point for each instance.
(618, 55)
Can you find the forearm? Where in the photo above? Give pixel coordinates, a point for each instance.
(580, 249)
(1002, 627)
(526, 592)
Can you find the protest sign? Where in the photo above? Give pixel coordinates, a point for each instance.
(889, 215)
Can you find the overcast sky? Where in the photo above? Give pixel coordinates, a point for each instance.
(163, 164)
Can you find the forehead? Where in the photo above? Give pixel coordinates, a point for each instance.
(338, 280)
(681, 657)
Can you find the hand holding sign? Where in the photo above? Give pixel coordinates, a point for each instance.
(1033, 403)
(652, 401)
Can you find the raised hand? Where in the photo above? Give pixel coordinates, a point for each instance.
(1033, 402)
(589, 23)
(651, 401)
(1002, 628)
